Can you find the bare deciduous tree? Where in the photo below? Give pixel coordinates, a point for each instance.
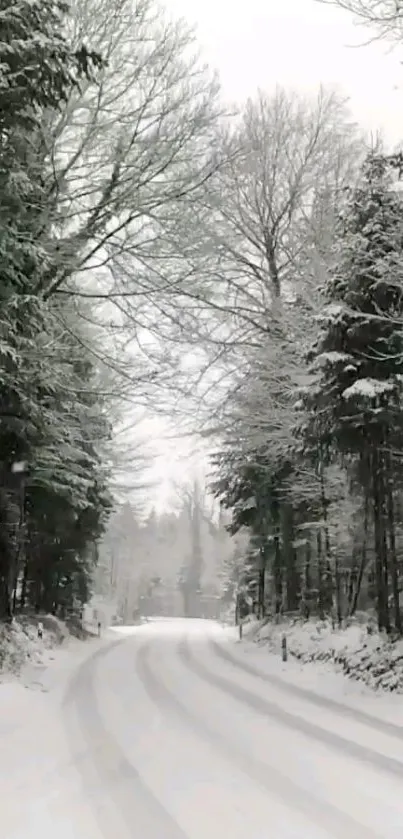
(132, 145)
(258, 240)
(266, 204)
(127, 150)
(383, 16)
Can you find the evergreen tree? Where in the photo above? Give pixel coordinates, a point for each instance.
(253, 489)
(46, 462)
(39, 71)
(356, 407)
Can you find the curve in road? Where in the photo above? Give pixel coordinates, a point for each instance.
(176, 743)
(383, 726)
(315, 732)
(336, 823)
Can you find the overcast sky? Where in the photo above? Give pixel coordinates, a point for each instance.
(296, 43)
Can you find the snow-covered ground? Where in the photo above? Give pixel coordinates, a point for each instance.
(347, 665)
(175, 730)
(210, 750)
(20, 644)
(37, 776)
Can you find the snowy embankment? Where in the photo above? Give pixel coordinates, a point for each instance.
(367, 657)
(22, 648)
(20, 644)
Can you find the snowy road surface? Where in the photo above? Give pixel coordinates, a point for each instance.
(163, 734)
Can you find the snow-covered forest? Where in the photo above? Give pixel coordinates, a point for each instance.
(173, 563)
(240, 272)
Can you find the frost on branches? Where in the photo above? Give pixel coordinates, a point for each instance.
(320, 490)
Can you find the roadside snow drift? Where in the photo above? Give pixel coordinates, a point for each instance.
(20, 644)
(365, 656)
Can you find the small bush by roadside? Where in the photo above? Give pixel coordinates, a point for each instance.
(19, 641)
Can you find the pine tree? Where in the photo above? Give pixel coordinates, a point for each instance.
(38, 72)
(253, 489)
(356, 403)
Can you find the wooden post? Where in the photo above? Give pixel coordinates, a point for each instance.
(284, 647)
(240, 630)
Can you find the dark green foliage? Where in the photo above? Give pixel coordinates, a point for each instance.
(359, 353)
(38, 71)
(256, 491)
(39, 68)
(54, 507)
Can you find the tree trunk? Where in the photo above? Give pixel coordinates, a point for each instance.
(319, 556)
(384, 509)
(14, 599)
(292, 576)
(6, 610)
(37, 593)
(360, 575)
(328, 586)
(278, 575)
(308, 579)
(24, 584)
(261, 593)
(337, 580)
(380, 543)
(393, 562)
(363, 561)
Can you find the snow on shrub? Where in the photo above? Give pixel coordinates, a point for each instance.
(360, 652)
(19, 641)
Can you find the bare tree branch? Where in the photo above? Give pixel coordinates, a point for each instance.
(129, 148)
(249, 254)
(383, 16)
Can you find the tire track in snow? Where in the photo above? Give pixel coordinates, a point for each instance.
(269, 709)
(320, 813)
(123, 805)
(384, 727)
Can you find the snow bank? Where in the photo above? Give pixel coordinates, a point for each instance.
(361, 655)
(20, 644)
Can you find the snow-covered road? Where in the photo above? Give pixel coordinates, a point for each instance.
(163, 734)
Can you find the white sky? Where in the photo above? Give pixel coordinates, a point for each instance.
(301, 43)
(296, 43)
